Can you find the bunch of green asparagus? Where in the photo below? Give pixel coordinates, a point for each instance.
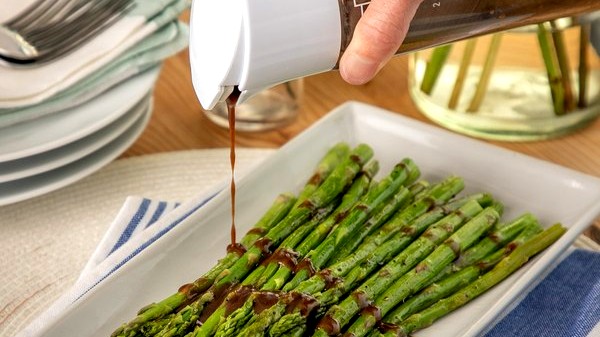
(351, 255)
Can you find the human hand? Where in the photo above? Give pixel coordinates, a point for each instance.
(378, 35)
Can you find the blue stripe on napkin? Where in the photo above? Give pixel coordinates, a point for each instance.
(136, 220)
(157, 213)
(566, 303)
(132, 225)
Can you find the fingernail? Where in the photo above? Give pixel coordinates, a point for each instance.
(356, 69)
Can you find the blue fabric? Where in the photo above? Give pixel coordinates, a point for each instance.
(142, 210)
(126, 235)
(158, 213)
(566, 303)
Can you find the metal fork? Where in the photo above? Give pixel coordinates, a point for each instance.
(49, 29)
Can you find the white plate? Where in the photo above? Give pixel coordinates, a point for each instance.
(198, 240)
(58, 129)
(33, 186)
(46, 161)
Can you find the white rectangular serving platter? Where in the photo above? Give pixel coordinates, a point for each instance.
(552, 193)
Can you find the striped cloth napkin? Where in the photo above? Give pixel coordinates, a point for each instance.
(565, 303)
(137, 222)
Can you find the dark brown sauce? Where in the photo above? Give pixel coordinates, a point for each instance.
(316, 179)
(305, 264)
(192, 291)
(236, 248)
(231, 103)
(341, 216)
(408, 230)
(302, 303)
(421, 268)
(237, 298)
(220, 294)
(257, 231)
(284, 257)
(308, 204)
(185, 288)
(361, 299)
(372, 310)
(455, 246)
(330, 280)
(511, 246)
(264, 300)
(330, 325)
(264, 244)
(384, 327)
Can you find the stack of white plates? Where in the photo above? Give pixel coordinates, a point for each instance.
(50, 152)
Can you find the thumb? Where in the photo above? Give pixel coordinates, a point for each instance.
(378, 35)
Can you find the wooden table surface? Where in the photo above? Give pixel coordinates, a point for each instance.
(178, 122)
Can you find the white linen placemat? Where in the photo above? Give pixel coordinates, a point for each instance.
(66, 226)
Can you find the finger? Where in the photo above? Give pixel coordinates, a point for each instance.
(378, 35)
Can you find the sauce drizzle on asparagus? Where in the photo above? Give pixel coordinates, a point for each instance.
(231, 103)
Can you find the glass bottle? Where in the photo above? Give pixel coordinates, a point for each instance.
(256, 44)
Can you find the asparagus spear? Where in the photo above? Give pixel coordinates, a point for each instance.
(380, 256)
(486, 74)
(397, 201)
(264, 272)
(552, 68)
(462, 276)
(265, 319)
(181, 321)
(388, 289)
(560, 48)
(583, 67)
(283, 274)
(502, 270)
(316, 236)
(241, 315)
(434, 67)
(262, 321)
(336, 183)
(259, 323)
(278, 210)
(463, 70)
(324, 168)
(437, 232)
(355, 270)
(318, 257)
(495, 240)
(438, 194)
(298, 332)
(403, 172)
(380, 215)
